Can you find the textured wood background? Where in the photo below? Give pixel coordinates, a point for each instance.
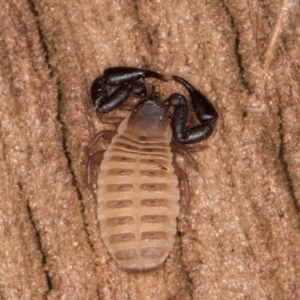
(240, 238)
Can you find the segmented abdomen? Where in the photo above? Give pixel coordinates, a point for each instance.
(138, 202)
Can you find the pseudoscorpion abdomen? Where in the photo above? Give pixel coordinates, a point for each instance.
(138, 202)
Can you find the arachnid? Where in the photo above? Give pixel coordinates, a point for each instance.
(138, 189)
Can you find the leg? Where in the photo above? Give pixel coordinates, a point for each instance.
(180, 149)
(128, 107)
(204, 111)
(94, 159)
(195, 148)
(106, 134)
(183, 179)
(109, 120)
(97, 157)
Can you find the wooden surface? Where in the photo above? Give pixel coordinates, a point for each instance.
(240, 237)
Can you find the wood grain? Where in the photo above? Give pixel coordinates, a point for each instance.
(240, 238)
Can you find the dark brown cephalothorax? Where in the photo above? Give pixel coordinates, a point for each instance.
(138, 180)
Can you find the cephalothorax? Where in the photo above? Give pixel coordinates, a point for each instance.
(138, 180)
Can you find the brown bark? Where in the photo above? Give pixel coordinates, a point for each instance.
(240, 238)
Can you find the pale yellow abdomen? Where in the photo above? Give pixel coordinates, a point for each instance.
(138, 201)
